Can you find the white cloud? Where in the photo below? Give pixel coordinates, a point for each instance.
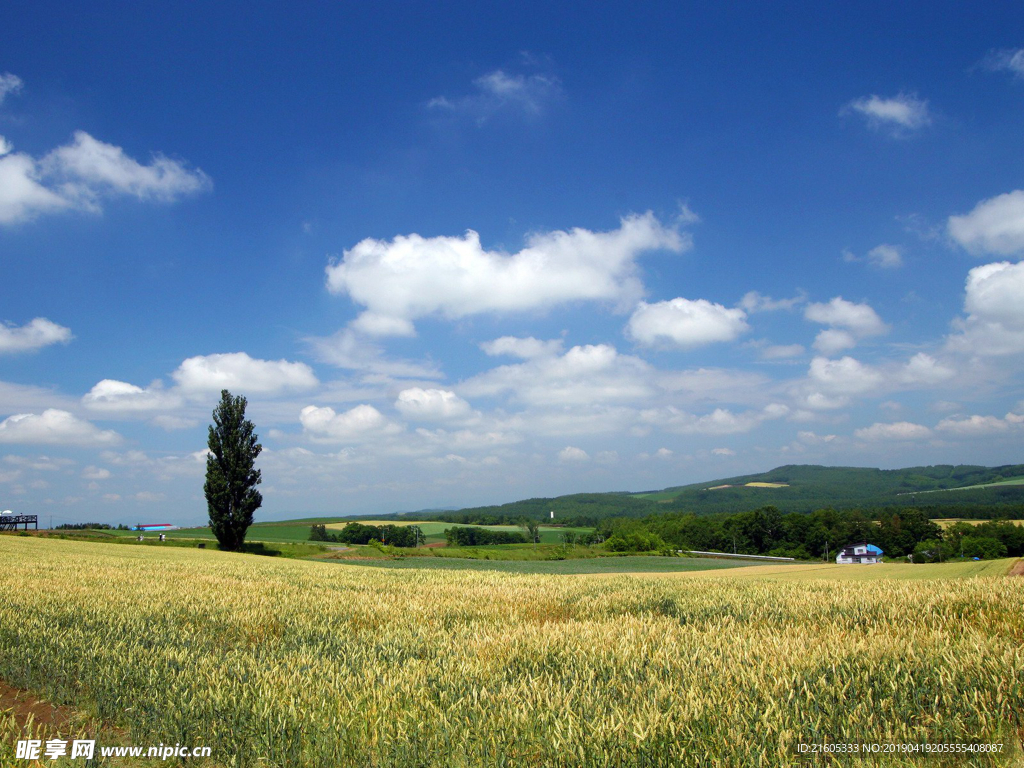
(846, 376)
(95, 473)
(499, 91)
(723, 452)
(685, 323)
(34, 335)
(859, 319)
(995, 313)
(994, 226)
(53, 427)
(22, 196)
(896, 432)
(9, 84)
(1007, 60)
(110, 395)
(348, 349)
(979, 426)
(432, 404)
(812, 438)
(753, 301)
(899, 114)
(93, 167)
(886, 256)
(241, 374)
(832, 341)
(923, 369)
(585, 374)
(411, 276)
(80, 174)
(720, 421)
(526, 349)
(469, 439)
(360, 423)
(572, 454)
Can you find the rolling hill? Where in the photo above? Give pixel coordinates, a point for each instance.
(794, 487)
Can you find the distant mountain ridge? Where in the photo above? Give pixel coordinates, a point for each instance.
(793, 487)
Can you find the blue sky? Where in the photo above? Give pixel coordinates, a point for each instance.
(462, 255)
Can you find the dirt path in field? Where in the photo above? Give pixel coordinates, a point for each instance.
(23, 704)
(1018, 568)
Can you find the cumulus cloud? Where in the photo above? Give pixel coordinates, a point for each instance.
(850, 322)
(54, 427)
(80, 174)
(896, 432)
(886, 256)
(585, 374)
(501, 92)
(860, 319)
(95, 473)
(237, 371)
(980, 426)
(898, 115)
(753, 301)
(846, 376)
(573, 454)
(723, 452)
(994, 226)
(432, 404)
(833, 341)
(411, 277)
(994, 324)
(110, 395)
(34, 335)
(923, 369)
(525, 348)
(685, 323)
(360, 423)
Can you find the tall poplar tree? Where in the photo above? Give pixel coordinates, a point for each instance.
(231, 476)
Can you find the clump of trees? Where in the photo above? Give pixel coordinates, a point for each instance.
(91, 526)
(471, 537)
(636, 541)
(360, 533)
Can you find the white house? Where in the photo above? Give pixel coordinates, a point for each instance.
(863, 553)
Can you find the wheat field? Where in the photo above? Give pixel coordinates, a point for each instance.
(291, 663)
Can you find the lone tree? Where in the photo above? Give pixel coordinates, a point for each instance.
(231, 478)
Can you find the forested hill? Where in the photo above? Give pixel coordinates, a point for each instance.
(950, 489)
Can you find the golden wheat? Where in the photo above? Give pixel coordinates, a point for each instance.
(288, 663)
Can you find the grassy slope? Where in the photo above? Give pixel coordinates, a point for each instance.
(809, 487)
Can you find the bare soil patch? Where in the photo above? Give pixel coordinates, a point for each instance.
(23, 704)
(1018, 568)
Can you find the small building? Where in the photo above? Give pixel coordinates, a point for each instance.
(863, 554)
(154, 527)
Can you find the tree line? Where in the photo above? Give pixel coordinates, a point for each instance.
(768, 531)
